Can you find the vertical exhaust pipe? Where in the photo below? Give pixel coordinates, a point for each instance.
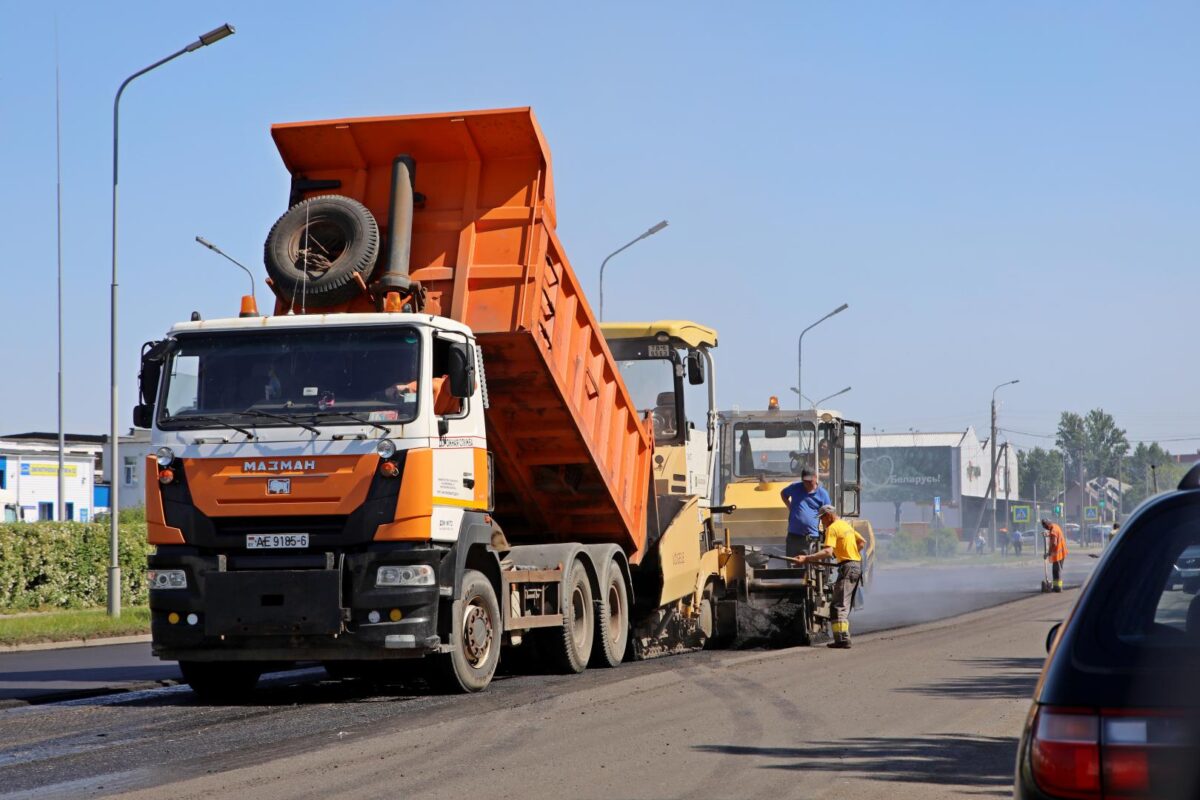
(400, 221)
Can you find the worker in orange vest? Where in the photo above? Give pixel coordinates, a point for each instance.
(1056, 551)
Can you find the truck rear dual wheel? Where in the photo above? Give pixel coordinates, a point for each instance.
(570, 646)
(612, 620)
(221, 680)
(476, 630)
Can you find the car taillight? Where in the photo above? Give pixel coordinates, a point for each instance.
(1126, 758)
(1065, 752)
(1081, 753)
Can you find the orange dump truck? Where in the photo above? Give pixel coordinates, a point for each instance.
(428, 449)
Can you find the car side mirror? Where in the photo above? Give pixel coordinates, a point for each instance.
(695, 368)
(1052, 635)
(460, 371)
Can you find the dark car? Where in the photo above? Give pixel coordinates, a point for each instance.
(1187, 570)
(1116, 713)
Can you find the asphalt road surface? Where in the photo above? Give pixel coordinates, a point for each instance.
(926, 711)
(899, 596)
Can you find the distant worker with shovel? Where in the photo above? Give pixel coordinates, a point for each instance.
(844, 545)
(1056, 552)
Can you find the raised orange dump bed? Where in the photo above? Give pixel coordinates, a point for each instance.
(572, 457)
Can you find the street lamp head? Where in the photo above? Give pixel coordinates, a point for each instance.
(840, 308)
(212, 37)
(655, 229)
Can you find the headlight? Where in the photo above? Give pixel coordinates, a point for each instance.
(411, 575)
(165, 456)
(386, 448)
(167, 579)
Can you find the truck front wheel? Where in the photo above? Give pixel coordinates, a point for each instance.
(475, 634)
(221, 680)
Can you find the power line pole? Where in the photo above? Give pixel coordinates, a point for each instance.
(992, 444)
(1007, 487)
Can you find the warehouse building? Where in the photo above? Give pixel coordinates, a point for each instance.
(29, 480)
(932, 480)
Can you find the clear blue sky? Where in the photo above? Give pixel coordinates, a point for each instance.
(998, 189)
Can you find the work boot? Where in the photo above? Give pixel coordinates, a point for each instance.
(839, 644)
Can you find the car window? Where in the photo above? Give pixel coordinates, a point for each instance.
(1144, 597)
(1179, 594)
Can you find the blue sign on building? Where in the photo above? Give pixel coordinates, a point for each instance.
(25, 469)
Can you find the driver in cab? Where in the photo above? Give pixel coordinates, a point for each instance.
(404, 390)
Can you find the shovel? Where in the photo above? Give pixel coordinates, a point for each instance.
(1046, 586)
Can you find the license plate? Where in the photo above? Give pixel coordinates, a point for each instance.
(259, 541)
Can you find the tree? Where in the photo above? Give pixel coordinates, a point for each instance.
(1106, 443)
(1041, 468)
(1137, 473)
(1072, 440)
(1093, 444)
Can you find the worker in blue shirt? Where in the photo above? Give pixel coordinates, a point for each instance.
(804, 500)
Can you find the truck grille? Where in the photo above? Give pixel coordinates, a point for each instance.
(332, 525)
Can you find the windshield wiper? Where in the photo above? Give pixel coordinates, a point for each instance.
(204, 418)
(254, 412)
(349, 415)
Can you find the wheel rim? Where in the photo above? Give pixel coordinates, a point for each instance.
(477, 633)
(615, 612)
(578, 617)
(322, 240)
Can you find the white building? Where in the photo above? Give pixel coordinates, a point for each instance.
(131, 456)
(939, 479)
(29, 481)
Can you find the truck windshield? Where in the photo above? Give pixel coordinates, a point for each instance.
(272, 377)
(652, 384)
(773, 448)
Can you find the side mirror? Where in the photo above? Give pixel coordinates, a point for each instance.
(695, 368)
(143, 415)
(1052, 635)
(461, 371)
(154, 355)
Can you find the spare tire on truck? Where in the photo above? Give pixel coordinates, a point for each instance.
(315, 249)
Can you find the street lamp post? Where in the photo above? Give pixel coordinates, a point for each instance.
(800, 351)
(830, 397)
(822, 400)
(992, 443)
(114, 567)
(646, 235)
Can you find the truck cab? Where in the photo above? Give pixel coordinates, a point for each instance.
(761, 452)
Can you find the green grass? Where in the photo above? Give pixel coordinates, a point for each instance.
(60, 626)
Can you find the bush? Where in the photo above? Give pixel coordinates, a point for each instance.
(129, 516)
(938, 543)
(65, 564)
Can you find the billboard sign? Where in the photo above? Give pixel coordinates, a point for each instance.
(907, 474)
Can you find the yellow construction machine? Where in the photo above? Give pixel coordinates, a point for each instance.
(760, 453)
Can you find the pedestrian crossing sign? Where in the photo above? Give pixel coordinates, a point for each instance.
(1091, 513)
(1020, 513)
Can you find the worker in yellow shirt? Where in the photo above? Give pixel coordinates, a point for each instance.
(844, 545)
